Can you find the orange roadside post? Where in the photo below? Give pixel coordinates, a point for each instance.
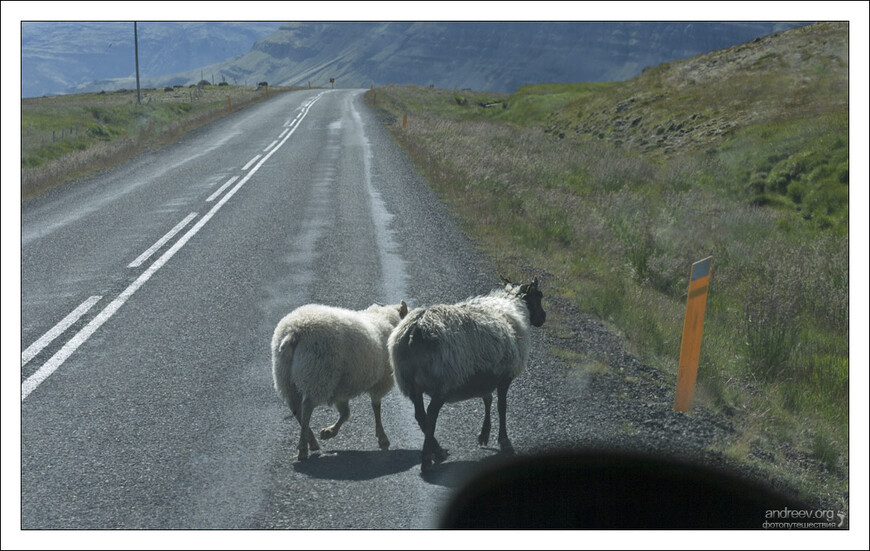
(693, 327)
(404, 121)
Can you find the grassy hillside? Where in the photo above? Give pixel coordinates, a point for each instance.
(613, 190)
(63, 137)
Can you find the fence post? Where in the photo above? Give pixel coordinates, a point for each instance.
(229, 103)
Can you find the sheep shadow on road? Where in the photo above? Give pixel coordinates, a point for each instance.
(357, 465)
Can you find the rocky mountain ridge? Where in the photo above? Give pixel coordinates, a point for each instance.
(494, 56)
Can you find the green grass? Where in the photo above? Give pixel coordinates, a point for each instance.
(532, 103)
(64, 137)
(758, 185)
(805, 167)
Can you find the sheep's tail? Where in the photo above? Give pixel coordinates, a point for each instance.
(407, 338)
(288, 345)
(415, 335)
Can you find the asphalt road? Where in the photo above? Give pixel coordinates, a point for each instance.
(149, 297)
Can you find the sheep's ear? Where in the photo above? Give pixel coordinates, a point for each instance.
(403, 310)
(529, 287)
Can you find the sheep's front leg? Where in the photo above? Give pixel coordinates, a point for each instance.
(383, 441)
(305, 421)
(503, 440)
(343, 413)
(483, 437)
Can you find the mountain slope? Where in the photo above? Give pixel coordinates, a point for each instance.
(495, 56)
(61, 57)
(481, 55)
(696, 102)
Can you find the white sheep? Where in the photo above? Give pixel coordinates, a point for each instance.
(454, 352)
(328, 355)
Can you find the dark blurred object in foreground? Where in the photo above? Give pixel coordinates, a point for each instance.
(610, 490)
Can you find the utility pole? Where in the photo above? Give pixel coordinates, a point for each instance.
(136, 48)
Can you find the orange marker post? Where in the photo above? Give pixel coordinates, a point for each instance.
(690, 350)
(404, 121)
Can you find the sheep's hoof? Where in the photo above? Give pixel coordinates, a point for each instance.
(440, 455)
(483, 439)
(506, 447)
(383, 443)
(437, 456)
(327, 433)
(302, 456)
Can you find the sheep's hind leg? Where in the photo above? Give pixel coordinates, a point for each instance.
(295, 401)
(383, 441)
(483, 437)
(313, 445)
(503, 440)
(305, 422)
(432, 450)
(419, 411)
(343, 413)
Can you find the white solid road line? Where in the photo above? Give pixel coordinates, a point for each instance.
(249, 163)
(57, 330)
(53, 363)
(222, 188)
(160, 242)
